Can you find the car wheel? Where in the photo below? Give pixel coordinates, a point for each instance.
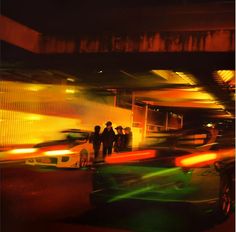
(226, 198)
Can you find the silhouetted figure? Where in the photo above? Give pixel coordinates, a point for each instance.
(128, 138)
(108, 137)
(119, 140)
(96, 139)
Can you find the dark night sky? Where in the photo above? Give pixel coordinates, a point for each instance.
(50, 7)
(74, 4)
(67, 16)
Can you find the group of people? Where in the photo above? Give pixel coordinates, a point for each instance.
(122, 141)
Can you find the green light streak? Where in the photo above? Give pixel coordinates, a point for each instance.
(160, 172)
(132, 193)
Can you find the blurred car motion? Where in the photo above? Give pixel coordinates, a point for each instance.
(194, 167)
(71, 152)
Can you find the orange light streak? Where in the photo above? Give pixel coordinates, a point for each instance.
(19, 154)
(58, 152)
(130, 156)
(193, 160)
(23, 151)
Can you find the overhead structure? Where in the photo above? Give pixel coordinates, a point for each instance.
(183, 54)
(207, 27)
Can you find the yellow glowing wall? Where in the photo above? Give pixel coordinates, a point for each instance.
(32, 113)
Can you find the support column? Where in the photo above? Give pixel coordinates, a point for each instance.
(132, 107)
(115, 98)
(182, 121)
(145, 121)
(166, 125)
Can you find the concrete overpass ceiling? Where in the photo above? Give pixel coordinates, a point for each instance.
(136, 62)
(164, 88)
(37, 76)
(128, 71)
(180, 97)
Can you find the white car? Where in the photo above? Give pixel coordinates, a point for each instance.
(71, 152)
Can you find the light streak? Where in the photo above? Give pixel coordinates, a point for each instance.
(70, 79)
(23, 151)
(161, 172)
(191, 160)
(130, 156)
(132, 193)
(70, 91)
(58, 152)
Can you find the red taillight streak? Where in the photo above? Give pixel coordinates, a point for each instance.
(130, 156)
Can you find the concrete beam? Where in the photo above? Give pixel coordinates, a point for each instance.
(179, 41)
(19, 35)
(200, 41)
(31, 40)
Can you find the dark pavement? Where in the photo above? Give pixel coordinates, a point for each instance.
(43, 199)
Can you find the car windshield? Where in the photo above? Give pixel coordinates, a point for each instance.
(77, 135)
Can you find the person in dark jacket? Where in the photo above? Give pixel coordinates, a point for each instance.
(128, 137)
(96, 140)
(108, 137)
(119, 140)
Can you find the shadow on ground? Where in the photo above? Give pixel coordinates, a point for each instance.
(148, 217)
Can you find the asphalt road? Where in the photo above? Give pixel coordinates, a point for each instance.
(42, 199)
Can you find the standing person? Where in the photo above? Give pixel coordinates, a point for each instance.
(128, 137)
(108, 137)
(119, 140)
(96, 140)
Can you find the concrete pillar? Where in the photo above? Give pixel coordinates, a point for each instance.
(166, 124)
(145, 121)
